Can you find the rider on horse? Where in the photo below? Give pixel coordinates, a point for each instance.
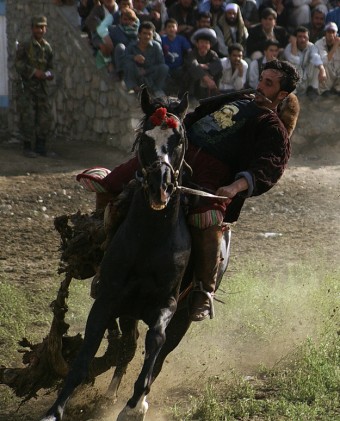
(236, 150)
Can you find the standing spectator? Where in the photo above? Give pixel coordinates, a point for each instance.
(316, 25)
(270, 52)
(175, 48)
(249, 12)
(234, 73)
(334, 14)
(305, 56)
(97, 24)
(184, 12)
(203, 67)
(230, 29)
(34, 64)
(329, 50)
(266, 29)
(123, 35)
(214, 7)
(144, 62)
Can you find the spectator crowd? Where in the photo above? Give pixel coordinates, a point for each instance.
(207, 47)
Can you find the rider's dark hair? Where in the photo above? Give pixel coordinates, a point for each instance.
(290, 76)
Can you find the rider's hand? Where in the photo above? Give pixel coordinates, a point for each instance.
(232, 189)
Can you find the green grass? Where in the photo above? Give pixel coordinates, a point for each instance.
(305, 386)
(295, 312)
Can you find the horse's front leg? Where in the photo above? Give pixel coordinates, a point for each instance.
(97, 322)
(137, 406)
(126, 352)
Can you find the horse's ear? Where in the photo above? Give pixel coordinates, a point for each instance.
(183, 106)
(145, 102)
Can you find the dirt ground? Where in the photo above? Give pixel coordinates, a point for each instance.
(302, 211)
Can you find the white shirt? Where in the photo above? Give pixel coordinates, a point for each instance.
(230, 80)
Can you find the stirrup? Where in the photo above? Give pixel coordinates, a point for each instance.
(205, 312)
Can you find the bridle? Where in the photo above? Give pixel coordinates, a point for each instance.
(166, 121)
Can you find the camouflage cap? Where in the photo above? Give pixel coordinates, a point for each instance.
(39, 21)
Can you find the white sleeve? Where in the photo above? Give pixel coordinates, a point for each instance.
(254, 74)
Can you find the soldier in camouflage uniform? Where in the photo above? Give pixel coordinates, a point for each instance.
(34, 64)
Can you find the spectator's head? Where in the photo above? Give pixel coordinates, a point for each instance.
(235, 52)
(124, 4)
(271, 49)
(302, 37)
(216, 5)
(203, 39)
(231, 11)
(203, 20)
(268, 19)
(185, 4)
(139, 5)
(171, 27)
(109, 4)
(206, 34)
(277, 80)
(318, 18)
(331, 32)
(38, 25)
(146, 32)
(128, 17)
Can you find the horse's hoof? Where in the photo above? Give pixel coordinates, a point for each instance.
(134, 414)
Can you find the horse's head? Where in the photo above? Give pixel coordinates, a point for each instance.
(161, 142)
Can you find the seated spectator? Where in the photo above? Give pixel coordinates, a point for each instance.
(234, 73)
(214, 7)
(144, 62)
(122, 5)
(329, 50)
(316, 25)
(249, 12)
(184, 12)
(300, 11)
(122, 35)
(148, 11)
(203, 66)
(334, 14)
(305, 56)
(281, 8)
(203, 20)
(270, 52)
(97, 24)
(230, 29)
(266, 29)
(175, 47)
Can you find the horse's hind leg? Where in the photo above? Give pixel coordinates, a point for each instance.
(126, 352)
(96, 325)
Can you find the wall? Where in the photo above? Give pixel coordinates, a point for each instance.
(87, 105)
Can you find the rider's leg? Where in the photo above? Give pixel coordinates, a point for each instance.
(206, 246)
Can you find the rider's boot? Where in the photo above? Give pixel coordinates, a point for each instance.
(206, 245)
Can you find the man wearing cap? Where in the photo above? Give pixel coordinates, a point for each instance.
(203, 66)
(34, 64)
(329, 50)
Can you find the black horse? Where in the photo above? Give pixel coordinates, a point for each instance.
(144, 264)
